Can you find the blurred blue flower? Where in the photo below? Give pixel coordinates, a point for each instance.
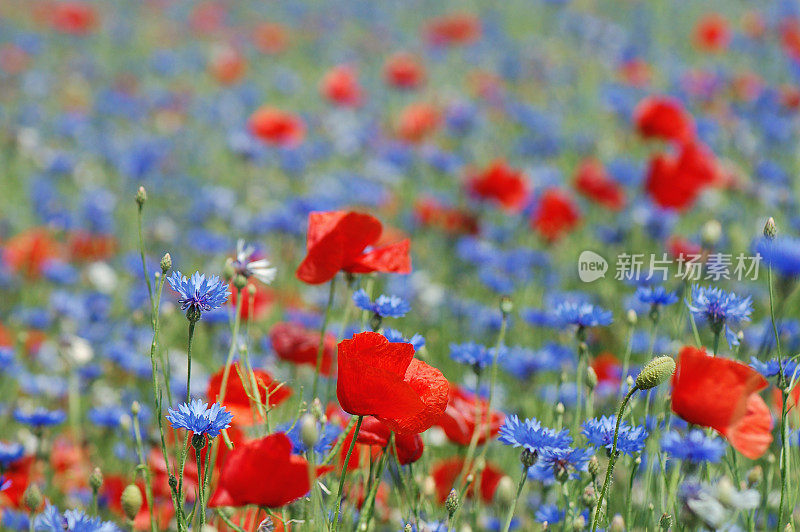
(40, 417)
(720, 309)
(694, 446)
(582, 315)
(600, 433)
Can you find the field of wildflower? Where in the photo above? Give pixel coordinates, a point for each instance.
(399, 266)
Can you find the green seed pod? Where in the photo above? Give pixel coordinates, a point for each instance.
(131, 500)
(166, 263)
(666, 522)
(451, 503)
(239, 281)
(506, 305)
(655, 372)
(96, 480)
(770, 229)
(141, 196)
(32, 498)
(309, 433)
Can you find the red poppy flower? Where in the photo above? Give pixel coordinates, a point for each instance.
(257, 304)
(74, 18)
(263, 472)
(683, 249)
(340, 86)
(555, 215)
(608, 370)
(460, 420)
(454, 221)
(663, 118)
(417, 121)
(635, 72)
(227, 65)
(446, 472)
(500, 183)
(592, 180)
(277, 127)
(337, 240)
(790, 38)
(383, 379)
(86, 246)
(19, 474)
(453, 29)
(270, 38)
(374, 433)
(28, 252)
(236, 399)
(675, 183)
(723, 394)
(712, 33)
(404, 71)
(295, 343)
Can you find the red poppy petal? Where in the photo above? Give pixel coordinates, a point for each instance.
(433, 389)
(752, 434)
(320, 224)
(393, 258)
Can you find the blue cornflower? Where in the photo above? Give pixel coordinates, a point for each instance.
(4, 483)
(523, 362)
(472, 354)
(582, 315)
(655, 296)
(15, 520)
(396, 337)
(771, 368)
(558, 462)
(530, 434)
(327, 436)
(198, 294)
(720, 309)
(40, 417)
(600, 433)
(385, 306)
(10, 452)
(782, 254)
(693, 447)
(199, 418)
(51, 520)
(107, 416)
(549, 513)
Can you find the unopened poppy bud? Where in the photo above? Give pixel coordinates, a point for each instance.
(239, 281)
(208, 528)
(96, 480)
(617, 524)
(451, 503)
(141, 196)
(528, 457)
(251, 289)
(173, 482)
(588, 497)
(788, 528)
(711, 233)
(505, 491)
(309, 433)
(755, 476)
(136, 408)
(655, 372)
(770, 229)
(408, 528)
(267, 525)
(559, 409)
(32, 498)
(631, 317)
(506, 305)
(594, 466)
(317, 411)
(166, 263)
(131, 501)
(228, 271)
(579, 524)
(665, 522)
(591, 378)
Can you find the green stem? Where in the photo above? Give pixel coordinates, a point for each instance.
(145, 471)
(201, 508)
(612, 460)
(344, 473)
(782, 385)
(144, 261)
(232, 349)
(189, 362)
(323, 330)
(369, 504)
(510, 514)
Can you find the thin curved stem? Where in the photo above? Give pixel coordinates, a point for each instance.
(344, 473)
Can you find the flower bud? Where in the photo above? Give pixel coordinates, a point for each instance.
(559, 409)
(617, 524)
(317, 411)
(770, 229)
(135, 408)
(655, 372)
(251, 289)
(131, 501)
(267, 525)
(631, 317)
(32, 498)
(505, 491)
(788, 528)
(141, 196)
(755, 476)
(309, 433)
(239, 281)
(166, 263)
(589, 496)
(579, 524)
(228, 271)
(591, 378)
(710, 233)
(408, 528)
(96, 480)
(451, 503)
(528, 457)
(506, 305)
(594, 466)
(193, 314)
(666, 522)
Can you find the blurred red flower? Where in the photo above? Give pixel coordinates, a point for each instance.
(446, 472)
(452, 220)
(404, 71)
(460, 419)
(501, 183)
(227, 65)
(417, 121)
(383, 379)
(263, 472)
(86, 246)
(340, 86)
(555, 215)
(28, 252)
(663, 118)
(74, 18)
(277, 127)
(675, 182)
(270, 38)
(712, 33)
(236, 399)
(453, 29)
(592, 180)
(255, 305)
(296, 344)
(723, 394)
(338, 240)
